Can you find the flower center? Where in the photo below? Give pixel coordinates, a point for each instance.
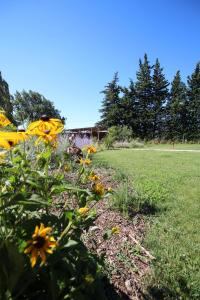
(40, 242)
(10, 143)
(44, 118)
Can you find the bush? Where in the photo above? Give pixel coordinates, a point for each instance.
(117, 133)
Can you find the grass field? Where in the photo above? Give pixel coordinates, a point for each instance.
(175, 146)
(171, 182)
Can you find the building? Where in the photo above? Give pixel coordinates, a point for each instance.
(90, 132)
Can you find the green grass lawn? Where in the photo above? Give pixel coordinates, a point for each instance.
(171, 181)
(175, 146)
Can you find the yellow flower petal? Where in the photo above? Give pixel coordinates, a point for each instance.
(4, 144)
(44, 125)
(83, 210)
(91, 149)
(33, 258)
(44, 231)
(49, 251)
(43, 256)
(28, 250)
(4, 120)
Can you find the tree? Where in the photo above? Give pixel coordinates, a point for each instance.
(110, 111)
(30, 106)
(129, 108)
(194, 103)
(176, 110)
(117, 133)
(159, 97)
(6, 99)
(144, 86)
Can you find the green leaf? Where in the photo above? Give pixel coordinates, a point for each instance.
(71, 244)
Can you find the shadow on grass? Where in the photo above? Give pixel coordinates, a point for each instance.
(146, 209)
(163, 293)
(149, 209)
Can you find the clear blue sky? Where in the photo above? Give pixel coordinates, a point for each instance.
(69, 49)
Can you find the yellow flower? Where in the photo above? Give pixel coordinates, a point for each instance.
(93, 177)
(45, 126)
(5, 144)
(91, 149)
(83, 211)
(3, 120)
(40, 244)
(99, 189)
(10, 139)
(109, 189)
(115, 230)
(86, 161)
(48, 139)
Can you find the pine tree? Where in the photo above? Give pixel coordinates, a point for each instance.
(176, 110)
(159, 97)
(5, 99)
(194, 103)
(144, 86)
(110, 111)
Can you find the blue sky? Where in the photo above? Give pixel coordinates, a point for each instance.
(69, 49)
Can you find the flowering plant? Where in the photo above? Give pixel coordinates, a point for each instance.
(42, 255)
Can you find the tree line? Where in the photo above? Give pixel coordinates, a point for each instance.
(26, 106)
(152, 107)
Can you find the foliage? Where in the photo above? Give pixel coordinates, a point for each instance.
(194, 104)
(125, 199)
(144, 86)
(110, 114)
(41, 250)
(5, 98)
(176, 109)
(29, 106)
(117, 133)
(128, 107)
(160, 97)
(150, 108)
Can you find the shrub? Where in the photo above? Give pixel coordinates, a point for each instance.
(117, 133)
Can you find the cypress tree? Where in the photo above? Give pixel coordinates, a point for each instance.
(128, 109)
(110, 111)
(194, 103)
(176, 110)
(159, 97)
(144, 86)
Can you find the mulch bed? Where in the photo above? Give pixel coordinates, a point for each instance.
(126, 260)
